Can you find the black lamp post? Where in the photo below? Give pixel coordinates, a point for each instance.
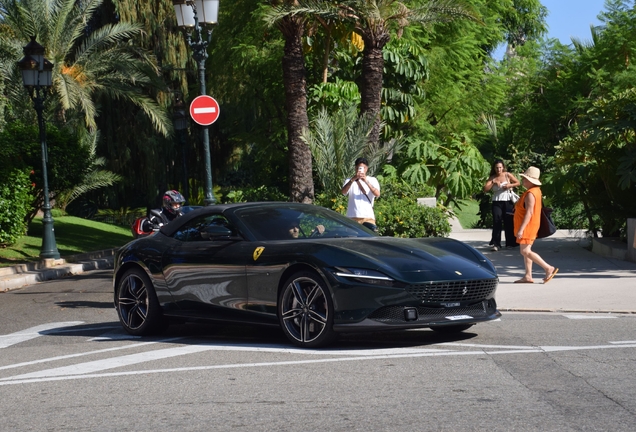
(192, 15)
(180, 121)
(37, 74)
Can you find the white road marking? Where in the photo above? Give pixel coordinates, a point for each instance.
(588, 316)
(24, 379)
(623, 342)
(115, 362)
(487, 346)
(33, 332)
(89, 369)
(68, 356)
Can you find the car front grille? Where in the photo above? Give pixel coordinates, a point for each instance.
(395, 314)
(453, 291)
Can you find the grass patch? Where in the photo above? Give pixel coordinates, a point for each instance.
(467, 213)
(73, 235)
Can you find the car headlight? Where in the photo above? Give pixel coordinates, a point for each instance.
(365, 276)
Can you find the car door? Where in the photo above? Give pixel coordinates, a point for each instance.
(205, 269)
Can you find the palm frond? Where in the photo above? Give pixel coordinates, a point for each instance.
(443, 11)
(272, 15)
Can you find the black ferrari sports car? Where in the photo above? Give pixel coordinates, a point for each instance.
(310, 270)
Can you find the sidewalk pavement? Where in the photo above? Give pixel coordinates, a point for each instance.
(586, 282)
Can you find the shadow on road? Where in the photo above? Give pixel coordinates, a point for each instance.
(84, 304)
(239, 334)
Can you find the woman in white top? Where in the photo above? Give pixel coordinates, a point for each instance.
(502, 184)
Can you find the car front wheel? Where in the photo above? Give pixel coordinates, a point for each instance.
(137, 305)
(305, 310)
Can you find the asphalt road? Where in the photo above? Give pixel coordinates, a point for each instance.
(66, 364)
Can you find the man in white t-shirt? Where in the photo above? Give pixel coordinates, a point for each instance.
(362, 190)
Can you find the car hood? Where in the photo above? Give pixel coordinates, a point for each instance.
(416, 260)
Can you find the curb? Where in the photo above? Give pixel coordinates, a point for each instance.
(569, 311)
(22, 275)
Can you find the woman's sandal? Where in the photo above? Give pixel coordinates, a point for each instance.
(524, 281)
(546, 280)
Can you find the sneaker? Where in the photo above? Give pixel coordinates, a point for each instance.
(495, 248)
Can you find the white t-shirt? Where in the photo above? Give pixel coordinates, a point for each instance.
(359, 206)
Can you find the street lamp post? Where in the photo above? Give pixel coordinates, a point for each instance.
(37, 74)
(191, 15)
(180, 120)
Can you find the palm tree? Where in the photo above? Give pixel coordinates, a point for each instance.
(94, 177)
(374, 20)
(88, 63)
(292, 27)
(337, 139)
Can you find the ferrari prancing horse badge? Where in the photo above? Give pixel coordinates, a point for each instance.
(257, 252)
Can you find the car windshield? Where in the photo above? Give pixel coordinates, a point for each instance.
(289, 222)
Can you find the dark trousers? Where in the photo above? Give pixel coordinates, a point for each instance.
(502, 215)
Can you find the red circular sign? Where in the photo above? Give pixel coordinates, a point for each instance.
(204, 110)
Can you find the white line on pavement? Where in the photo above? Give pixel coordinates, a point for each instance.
(114, 362)
(68, 356)
(487, 346)
(87, 370)
(33, 332)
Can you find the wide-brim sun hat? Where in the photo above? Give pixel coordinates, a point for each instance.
(532, 175)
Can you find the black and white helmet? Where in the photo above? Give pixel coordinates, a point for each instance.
(172, 202)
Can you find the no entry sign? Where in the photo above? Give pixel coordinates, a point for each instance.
(204, 110)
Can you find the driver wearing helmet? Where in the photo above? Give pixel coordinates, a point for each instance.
(172, 202)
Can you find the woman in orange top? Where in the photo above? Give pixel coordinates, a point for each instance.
(526, 220)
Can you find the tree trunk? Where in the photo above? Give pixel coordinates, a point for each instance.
(371, 80)
(301, 183)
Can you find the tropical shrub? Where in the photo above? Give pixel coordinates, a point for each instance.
(262, 193)
(336, 140)
(68, 158)
(15, 203)
(398, 218)
(397, 213)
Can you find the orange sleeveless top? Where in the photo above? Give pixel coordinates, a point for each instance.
(530, 232)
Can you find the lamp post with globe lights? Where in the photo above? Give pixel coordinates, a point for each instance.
(193, 16)
(180, 122)
(37, 74)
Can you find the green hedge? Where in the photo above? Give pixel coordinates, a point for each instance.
(405, 218)
(15, 204)
(397, 213)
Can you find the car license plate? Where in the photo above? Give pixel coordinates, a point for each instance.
(458, 317)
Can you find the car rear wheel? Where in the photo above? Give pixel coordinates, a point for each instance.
(305, 310)
(449, 329)
(137, 305)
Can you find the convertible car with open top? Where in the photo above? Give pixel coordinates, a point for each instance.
(310, 270)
